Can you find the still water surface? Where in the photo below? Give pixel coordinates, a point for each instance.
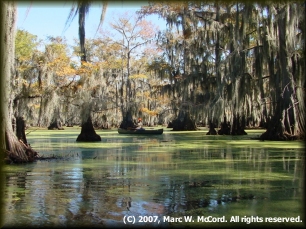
(149, 178)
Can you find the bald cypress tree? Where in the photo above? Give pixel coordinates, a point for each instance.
(81, 8)
(250, 59)
(15, 151)
(286, 33)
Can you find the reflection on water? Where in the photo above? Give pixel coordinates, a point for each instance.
(174, 174)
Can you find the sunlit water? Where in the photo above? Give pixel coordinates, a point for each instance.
(126, 178)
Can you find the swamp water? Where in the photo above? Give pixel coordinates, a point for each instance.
(126, 179)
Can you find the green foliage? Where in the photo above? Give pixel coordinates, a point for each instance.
(25, 45)
(221, 59)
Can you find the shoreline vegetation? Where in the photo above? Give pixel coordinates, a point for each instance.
(222, 65)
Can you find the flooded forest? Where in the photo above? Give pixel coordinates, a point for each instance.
(224, 80)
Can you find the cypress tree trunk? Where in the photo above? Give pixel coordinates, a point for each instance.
(238, 125)
(56, 125)
(184, 122)
(88, 133)
(15, 150)
(280, 126)
(20, 130)
(82, 14)
(225, 127)
(212, 130)
(127, 121)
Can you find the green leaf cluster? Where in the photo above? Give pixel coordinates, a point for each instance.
(25, 45)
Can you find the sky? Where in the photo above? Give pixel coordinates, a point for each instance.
(50, 19)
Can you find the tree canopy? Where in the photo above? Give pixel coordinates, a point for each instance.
(231, 65)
